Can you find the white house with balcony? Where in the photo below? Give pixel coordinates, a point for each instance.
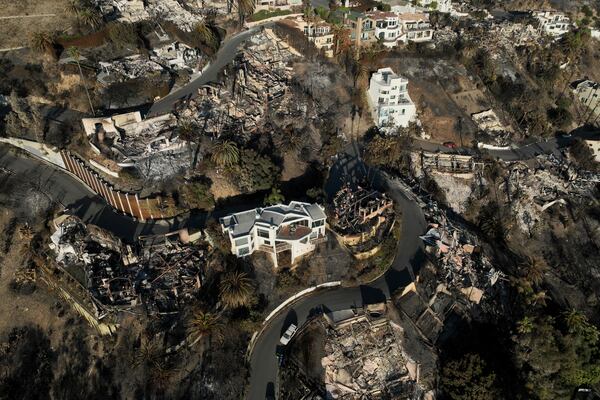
(415, 27)
(387, 28)
(389, 101)
(285, 232)
(553, 23)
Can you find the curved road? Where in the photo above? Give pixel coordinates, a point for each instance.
(224, 56)
(407, 263)
(71, 194)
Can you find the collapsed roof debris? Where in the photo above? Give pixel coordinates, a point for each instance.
(260, 82)
(131, 67)
(367, 357)
(131, 141)
(552, 179)
(140, 10)
(170, 56)
(362, 217)
(160, 277)
(457, 252)
(489, 123)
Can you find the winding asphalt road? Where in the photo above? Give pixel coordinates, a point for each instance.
(78, 199)
(407, 263)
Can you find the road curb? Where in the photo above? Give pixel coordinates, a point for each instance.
(289, 301)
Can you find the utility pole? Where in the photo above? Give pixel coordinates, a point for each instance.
(73, 52)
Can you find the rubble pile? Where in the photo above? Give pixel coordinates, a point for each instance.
(127, 68)
(131, 141)
(170, 56)
(161, 276)
(260, 83)
(362, 217)
(531, 191)
(489, 124)
(457, 252)
(139, 10)
(364, 359)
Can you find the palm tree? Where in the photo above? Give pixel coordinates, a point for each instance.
(535, 268)
(150, 353)
(575, 320)
(74, 53)
(207, 35)
(235, 290)
(245, 8)
(202, 324)
(525, 326)
(74, 8)
(25, 232)
(43, 42)
(275, 197)
(225, 153)
(90, 17)
(187, 130)
(309, 15)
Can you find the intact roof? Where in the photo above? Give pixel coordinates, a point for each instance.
(413, 17)
(315, 211)
(240, 224)
(378, 15)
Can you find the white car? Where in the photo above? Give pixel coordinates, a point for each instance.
(287, 336)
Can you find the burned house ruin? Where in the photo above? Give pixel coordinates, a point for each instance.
(362, 218)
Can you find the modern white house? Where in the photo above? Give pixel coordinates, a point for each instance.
(553, 23)
(285, 232)
(389, 100)
(387, 28)
(317, 31)
(415, 27)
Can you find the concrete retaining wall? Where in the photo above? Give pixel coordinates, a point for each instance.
(39, 150)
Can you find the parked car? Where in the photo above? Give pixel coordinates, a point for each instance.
(450, 145)
(287, 336)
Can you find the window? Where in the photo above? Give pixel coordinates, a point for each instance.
(403, 111)
(262, 233)
(241, 241)
(304, 241)
(267, 242)
(392, 97)
(318, 223)
(395, 88)
(242, 251)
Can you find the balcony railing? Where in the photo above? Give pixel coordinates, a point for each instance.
(278, 248)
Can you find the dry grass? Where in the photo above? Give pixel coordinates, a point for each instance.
(221, 186)
(15, 32)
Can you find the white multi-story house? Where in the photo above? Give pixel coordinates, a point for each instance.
(553, 23)
(389, 100)
(387, 28)
(317, 31)
(286, 232)
(415, 27)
